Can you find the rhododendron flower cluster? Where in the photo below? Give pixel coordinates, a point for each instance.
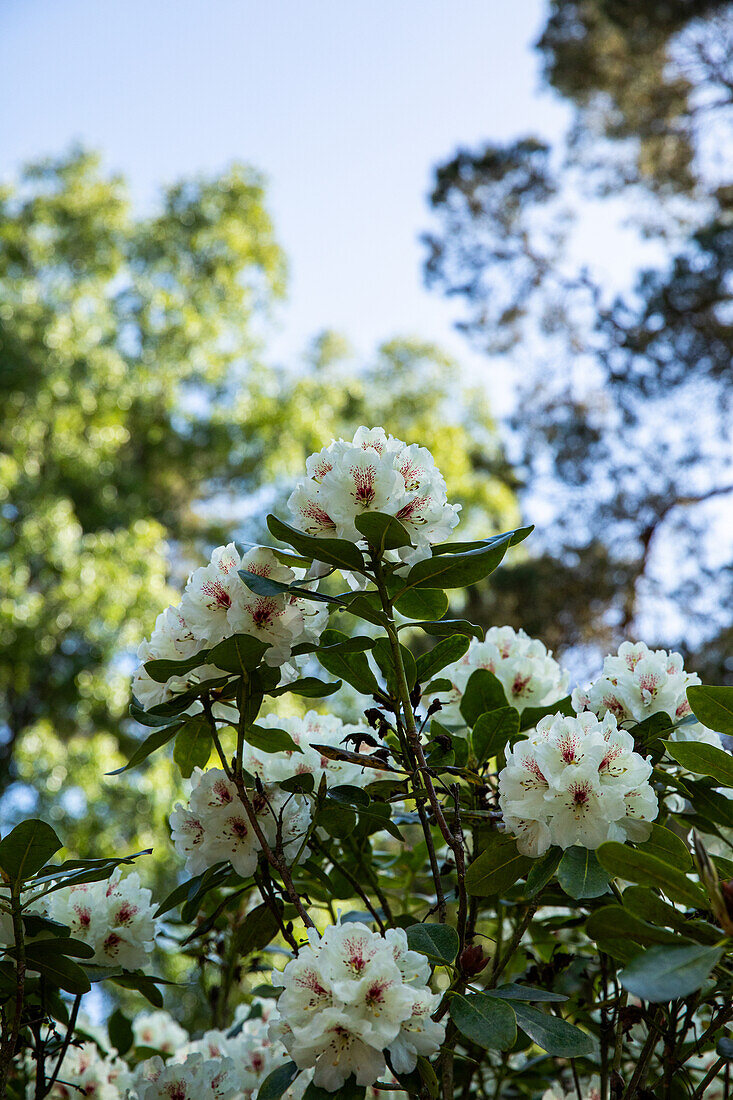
(638, 682)
(576, 781)
(349, 997)
(312, 729)
(374, 473)
(114, 916)
(87, 1072)
(253, 1053)
(217, 604)
(529, 674)
(214, 825)
(197, 1078)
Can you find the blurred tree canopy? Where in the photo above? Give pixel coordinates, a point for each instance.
(622, 421)
(141, 424)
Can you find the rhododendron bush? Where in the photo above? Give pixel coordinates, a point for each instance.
(411, 861)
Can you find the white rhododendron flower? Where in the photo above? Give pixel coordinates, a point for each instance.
(313, 729)
(214, 825)
(159, 1031)
(253, 1053)
(638, 682)
(374, 473)
(529, 674)
(114, 916)
(217, 604)
(576, 781)
(351, 995)
(197, 1078)
(86, 1072)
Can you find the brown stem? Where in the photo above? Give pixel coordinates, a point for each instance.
(65, 1045)
(9, 1044)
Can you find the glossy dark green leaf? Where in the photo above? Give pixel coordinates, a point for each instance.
(460, 570)
(278, 1082)
(120, 1032)
(514, 992)
(382, 532)
(438, 942)
(26, 849)
(713, 706)
(581, 875)
(550, 1033)
(669, 847)
(266, 586)
(57, 968)
(613, 921)
(162, 670)
(383, 656)
(703, 759)
(444, 653)
(542, 870)
(497, 868)
(240, 653)
(423, 604)
(338, 552)
(530, 716)
(156, 740)
(193, 744)
(634, 865)
(258, 928)
(270, 739)
(366, 606)
(349, 666)
(493, 731)
(489, 1023)
(484, 692)
(143, 984)
(666, 973)
(444, 627)
(348, 1091)
(309, 687)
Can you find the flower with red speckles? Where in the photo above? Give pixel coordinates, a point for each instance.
(87, 1072)
(349, 997)
(576, 781)
(637, 682)
(214, 826)
(197, 1078)
(374, 473)
(312, 729)
(529, 674)
(114, 916)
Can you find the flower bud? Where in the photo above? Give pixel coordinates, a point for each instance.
(472, 960)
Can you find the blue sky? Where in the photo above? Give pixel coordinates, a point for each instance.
(345, 106)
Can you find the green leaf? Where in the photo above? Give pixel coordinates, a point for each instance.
(162, 670)
(443, 627)
(513, 992)
(348, 1091)
(542, 871)
(552, 1034)
(530, 716)
(614, 922)
(338, 552)
(41, 955)
(270, 739)
(383, 656)
(351, 667)
(423, 603)
(667, 846)
(497, 868)
(444, 653)
(365, 606)
(120, 1032)
(460, 570)
(278, 1082)
(143, 984)
(713, 706)
(484, 692)
(258, 928)
(240, 653)
(156, 740)
(635, 865)
(703, 759)
(493, 731)
(26, 849)
(309, 687)
(193, 745)
(488, 1022)
(581, 875)
(266, 586)
(438, 942)
(333, 641)
(666, 973)
(382, 532)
